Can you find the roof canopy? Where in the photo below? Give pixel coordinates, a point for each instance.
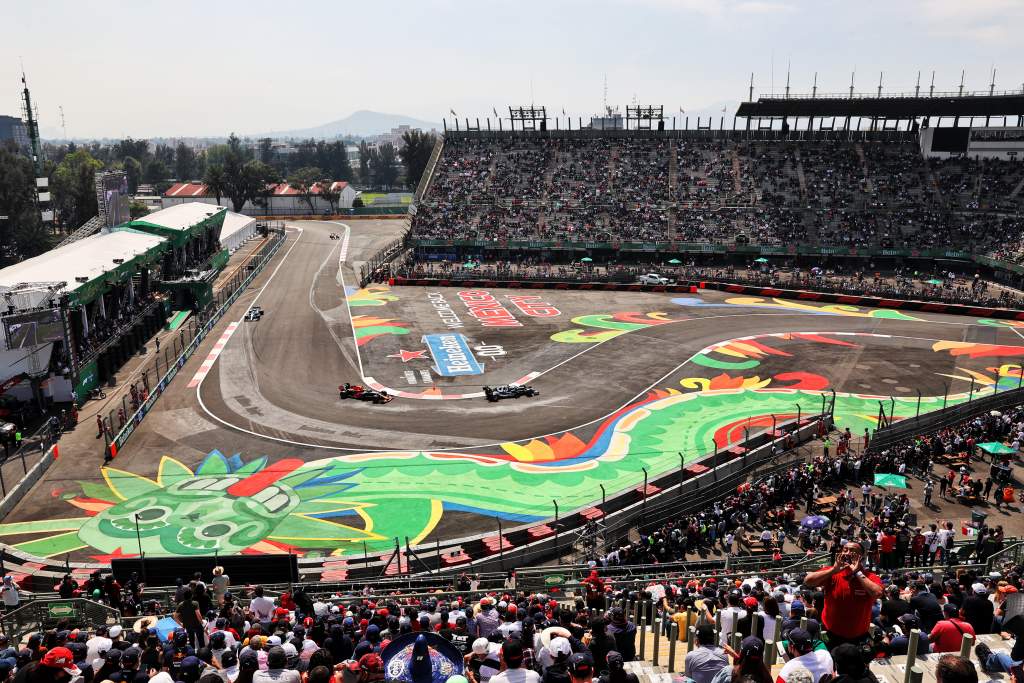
(89, 264)
(182, 221)
(884, 107)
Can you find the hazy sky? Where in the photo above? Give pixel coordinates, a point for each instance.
(147, 68)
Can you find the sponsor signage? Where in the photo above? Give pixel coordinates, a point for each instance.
(452, 355)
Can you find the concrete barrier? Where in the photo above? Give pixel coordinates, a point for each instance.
(26, 483)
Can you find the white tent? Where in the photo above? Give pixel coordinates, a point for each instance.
(237, 229)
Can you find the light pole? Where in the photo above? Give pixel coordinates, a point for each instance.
(558, 554)
(643, 508)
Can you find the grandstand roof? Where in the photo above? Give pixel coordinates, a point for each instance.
(86, 264)
(233, 222)
(181, 221)
(884, 107)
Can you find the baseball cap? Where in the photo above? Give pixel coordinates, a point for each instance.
(581, 664)
(512, 651)
(796, 606)
(910, 621)
(560, 647)
(750, 602)
(950, 610)
(800, 639)
(752, 646)
(249, 661)
(371, 662)
(115, 631)
(480, 646)
(61, 658)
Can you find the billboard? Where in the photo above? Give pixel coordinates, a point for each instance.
(112, 197)
(29, 329)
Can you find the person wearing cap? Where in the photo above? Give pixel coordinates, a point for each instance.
(803, 655)
(220, 584)
(581, 667)
(512, 659)
(948, 634)
(483, 661)
(899, 643)
(486, 620)
(850, 594)
(704, 662)
(97, 644)
(978, 610)
(9, 593)
(56, 666)
(749, 663)
(850, 666)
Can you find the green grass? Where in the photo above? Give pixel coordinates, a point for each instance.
(370, 197)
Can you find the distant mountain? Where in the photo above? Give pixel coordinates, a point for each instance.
(360, 123)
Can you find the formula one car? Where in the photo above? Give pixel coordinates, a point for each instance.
(495, 394)
(361, 393)
(254, 313)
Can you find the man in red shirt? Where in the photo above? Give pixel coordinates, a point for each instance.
(948, 634)
(887, 549)
(850, 593)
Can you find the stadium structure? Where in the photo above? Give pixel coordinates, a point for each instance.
(630, 275)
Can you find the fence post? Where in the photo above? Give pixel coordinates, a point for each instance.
(673, 633)
(656, 628)
(642, 625)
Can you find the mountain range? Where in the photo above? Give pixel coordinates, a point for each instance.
(359, 123)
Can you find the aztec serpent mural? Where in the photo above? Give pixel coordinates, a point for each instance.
(333, 506)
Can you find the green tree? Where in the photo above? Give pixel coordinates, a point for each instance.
(266, 150)
(329, 195)
(156, 171)
(137, 209)
(133, 171)
(365, 156)
(138, 149)
(73, 188)
(416, 149)
(184, 162)
(215, 180)
(22, 232)
(384, 166)
(248, 183)
(304, 180)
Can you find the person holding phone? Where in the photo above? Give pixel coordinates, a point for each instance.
(850, 593)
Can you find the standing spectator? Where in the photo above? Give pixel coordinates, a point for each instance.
(595, 591)
(9, 593)
(56, 666)
(581, 668)
(978, 610)
(487, 620)
(220, 583)
(262, 608)
(188, 615)
(948, 634)
(850, 595)
(624, 633)
(704, 662)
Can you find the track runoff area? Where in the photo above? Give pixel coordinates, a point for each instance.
(253, 451)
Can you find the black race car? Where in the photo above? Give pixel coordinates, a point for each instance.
(254, 313)
(495, 394)
(361, 393)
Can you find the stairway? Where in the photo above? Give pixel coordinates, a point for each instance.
(800, 178)
(869, 187)
(90, 227)
(1017, 190)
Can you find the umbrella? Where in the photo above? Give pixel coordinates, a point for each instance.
(761, 260)
(895, 480)
(468, 264)
(675, 262)
(996, 448)
(815, 522)
(586, 259)
(933, 282)
(165, 626)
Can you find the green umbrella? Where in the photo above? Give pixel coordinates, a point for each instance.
(468, 264)
(586, 259)
(895, 480)
(761, 260)
(674, 262)
(933, 282)
(996, 448)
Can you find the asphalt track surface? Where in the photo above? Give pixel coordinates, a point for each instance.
(273, 388)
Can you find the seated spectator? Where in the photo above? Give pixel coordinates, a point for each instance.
(948, 634)
(802, 655)
(705, 661)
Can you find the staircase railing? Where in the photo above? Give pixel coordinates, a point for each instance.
(90, 227)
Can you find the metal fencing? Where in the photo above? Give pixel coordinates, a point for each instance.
(122, 420)
(378, 267)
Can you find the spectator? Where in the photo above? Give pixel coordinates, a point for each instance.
(617, 671)
(220, 582)
(955, 669)
(978, 610)
(581, 668)
(512, 659)
(56, 666)
(850, 594)
(749, 664)
(704, 662)
(948, 633)
(802, 655)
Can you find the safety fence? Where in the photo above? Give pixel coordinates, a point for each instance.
(378, 267)
(183, 345)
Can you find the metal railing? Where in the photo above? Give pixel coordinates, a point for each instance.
(42, 614)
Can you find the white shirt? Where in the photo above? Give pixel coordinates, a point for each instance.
(516, 676)
(730, 615)
(262, 607)
(818, 662)
(96, 645)
(10, 594)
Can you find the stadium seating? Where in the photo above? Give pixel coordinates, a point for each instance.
(607, 189)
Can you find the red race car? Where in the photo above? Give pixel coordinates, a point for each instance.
(361, 393)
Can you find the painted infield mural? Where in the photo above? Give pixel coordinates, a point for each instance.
(229, 504)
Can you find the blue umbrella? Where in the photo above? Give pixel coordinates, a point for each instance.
(165, 626)
(815, 522)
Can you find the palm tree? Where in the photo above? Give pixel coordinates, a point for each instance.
(215, 180)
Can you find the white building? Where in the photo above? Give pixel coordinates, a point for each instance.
(285, 200)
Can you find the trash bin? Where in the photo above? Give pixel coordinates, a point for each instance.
(978, 517)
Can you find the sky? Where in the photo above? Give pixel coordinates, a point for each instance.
(157, 69)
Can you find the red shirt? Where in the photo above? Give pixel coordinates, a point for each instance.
(948, 637)
(888, 543)
(847, 610)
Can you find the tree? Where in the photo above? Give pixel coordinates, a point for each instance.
(73, 185)
(304, 180)
(266, 150)
(214, 180)
(22, 232)
(137, 209)
(416, 149)
(138, 149)
(165, 154)
(357, 203)
(365, 155)
(329, 195)
(384, 166)
(184, 162)
(156, 171)
(248, 183)
(133, 171)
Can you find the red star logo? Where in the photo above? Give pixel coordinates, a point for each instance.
(407, 356)
(116, 555)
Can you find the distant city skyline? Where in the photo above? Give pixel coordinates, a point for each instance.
(195, 69)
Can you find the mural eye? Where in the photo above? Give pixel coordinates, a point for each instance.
(216, 530)
(151, 514)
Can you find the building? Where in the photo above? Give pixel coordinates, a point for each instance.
(14, 129)
(282, 199)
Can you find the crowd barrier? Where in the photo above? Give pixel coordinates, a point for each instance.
(748, 290)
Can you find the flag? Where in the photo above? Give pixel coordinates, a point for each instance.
(495, 110)
(723, 110)
(563, 111)
(453, 112)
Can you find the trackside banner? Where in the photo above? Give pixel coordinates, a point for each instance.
(452, 355)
